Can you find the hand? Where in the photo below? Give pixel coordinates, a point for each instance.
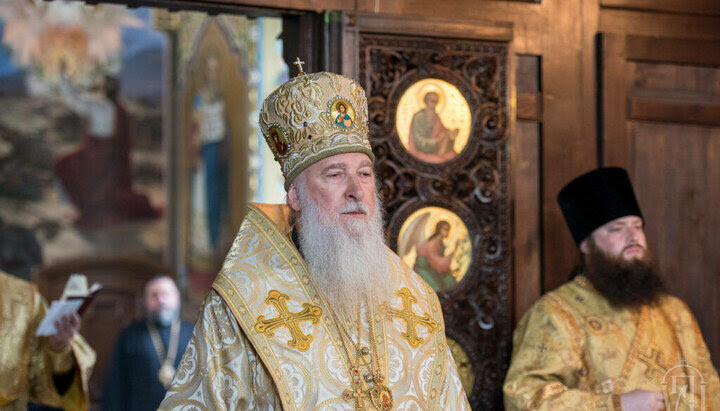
(642, 400)
(66, 327)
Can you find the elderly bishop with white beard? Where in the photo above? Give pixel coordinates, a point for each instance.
(311, 309)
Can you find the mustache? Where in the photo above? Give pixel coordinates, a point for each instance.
(633, 245)
(355, 207)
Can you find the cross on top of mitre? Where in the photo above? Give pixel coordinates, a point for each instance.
(299, 64)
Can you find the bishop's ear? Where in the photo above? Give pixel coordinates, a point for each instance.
(585, 246)
(292, 198)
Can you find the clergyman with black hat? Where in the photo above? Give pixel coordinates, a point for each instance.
(611, 338)
(311, 310)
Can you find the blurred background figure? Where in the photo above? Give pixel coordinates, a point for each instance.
(148, 351)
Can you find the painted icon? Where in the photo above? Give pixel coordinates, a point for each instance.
(342, 113)
(433, 120)
(436, 244)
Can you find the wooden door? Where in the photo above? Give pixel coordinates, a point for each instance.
(661, 121)
(411, 77)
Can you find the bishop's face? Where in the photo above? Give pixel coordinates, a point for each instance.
(336, 185)
(622, 238)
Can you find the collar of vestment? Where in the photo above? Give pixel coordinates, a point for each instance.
(266, 284)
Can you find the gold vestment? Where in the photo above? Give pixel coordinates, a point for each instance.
(26, 362)
(240, 358)
(573, 350)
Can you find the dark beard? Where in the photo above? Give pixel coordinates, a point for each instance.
(623, 283)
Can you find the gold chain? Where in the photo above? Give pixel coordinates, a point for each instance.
(379, 395)
(167, 362)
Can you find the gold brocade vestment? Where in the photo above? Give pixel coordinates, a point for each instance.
(26, 362)
(265, 339)
(572, 350)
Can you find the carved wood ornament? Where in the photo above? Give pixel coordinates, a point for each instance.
(473, 184)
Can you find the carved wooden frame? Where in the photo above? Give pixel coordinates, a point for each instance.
(474, 184)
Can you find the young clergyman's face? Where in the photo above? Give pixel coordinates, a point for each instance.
(336, 184)
(621, 238)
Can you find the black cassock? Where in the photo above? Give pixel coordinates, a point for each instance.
(131, 380)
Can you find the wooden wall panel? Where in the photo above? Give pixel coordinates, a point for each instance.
(674, 167)
(526, 177)
(675, 170)
(525, 145)
(703, 7)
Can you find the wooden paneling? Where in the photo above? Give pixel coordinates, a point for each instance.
(705, 7)
(615, 143)
(672, 110)
(659, 24)
(438, 27)
(675, 171)
(568, 128)
(529, 106)
(674, 167)
(673, 50)
(527, 234)
(526, 174)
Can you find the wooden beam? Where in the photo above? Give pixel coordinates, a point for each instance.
(673, 50)
(614, 141)
(569, 145)
(527, 233)
(451, 28)
(701, 7)
(659, 24)
(645, 108)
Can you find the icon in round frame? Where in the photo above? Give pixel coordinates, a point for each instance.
(435, 243)
(433, 120)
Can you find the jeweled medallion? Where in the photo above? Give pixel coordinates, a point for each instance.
(166, 375)
(381, 397)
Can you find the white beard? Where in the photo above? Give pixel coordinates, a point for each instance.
(347, 262)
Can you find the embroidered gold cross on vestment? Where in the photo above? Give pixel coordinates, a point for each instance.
(411, 319)
(653, 362)
(288, 320)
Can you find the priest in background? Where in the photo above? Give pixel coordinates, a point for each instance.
(611, 338)
(311, 310)
(148, 351)
(53, 370)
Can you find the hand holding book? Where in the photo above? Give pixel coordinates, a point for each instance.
(65, 312)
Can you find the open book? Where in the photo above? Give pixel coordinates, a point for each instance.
(76, 297)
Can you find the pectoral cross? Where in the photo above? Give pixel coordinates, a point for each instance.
(357, 393)
(653, 363)
(411, 319)
(288, 320)
(299, 64)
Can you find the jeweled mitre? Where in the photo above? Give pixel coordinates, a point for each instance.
(314, 116)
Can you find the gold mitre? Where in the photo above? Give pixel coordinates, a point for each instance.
(314, 116)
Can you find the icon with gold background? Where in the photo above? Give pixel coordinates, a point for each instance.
(433, 120)
(436, 244)
(342, 113)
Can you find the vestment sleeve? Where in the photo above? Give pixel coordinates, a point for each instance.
(547, 364)
(44, 363)
(452, 396)
(220, 369)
